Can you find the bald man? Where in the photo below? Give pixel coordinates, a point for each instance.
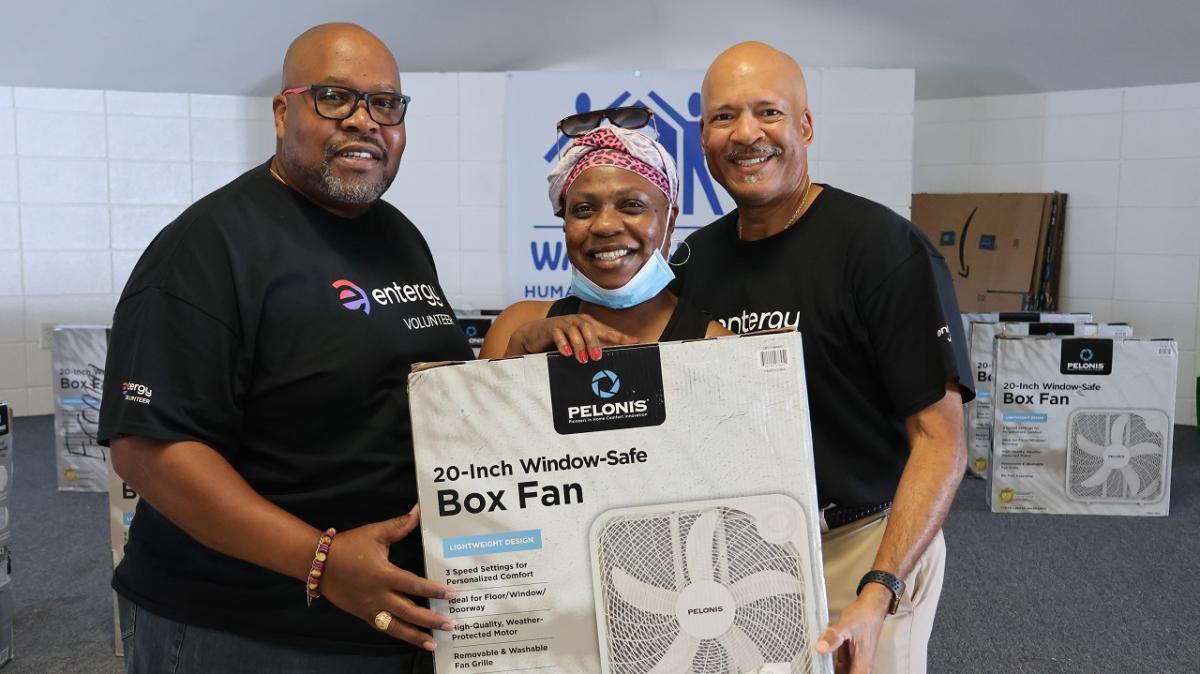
(883, 355)
(255, 397)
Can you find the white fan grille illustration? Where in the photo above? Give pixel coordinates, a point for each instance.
(1117, 455)
(650, 564)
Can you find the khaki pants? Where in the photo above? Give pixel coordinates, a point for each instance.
(849, 552)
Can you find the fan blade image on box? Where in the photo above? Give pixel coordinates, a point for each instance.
(706, 587)
(1117, 455)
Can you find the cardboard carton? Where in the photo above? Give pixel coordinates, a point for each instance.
(78, 354)
(122, 501)
(1003, 249)
(7, 610)
(625, 514)
(1083, 425)
(977, 416)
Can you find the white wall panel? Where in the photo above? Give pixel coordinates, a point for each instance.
(148, 138)
(67, 272)
(61, 181)
(52, 227)
(150, 182)
(42, 133)
(1161, 278)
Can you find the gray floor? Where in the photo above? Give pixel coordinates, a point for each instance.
(1036, 594)
(1085, 595)
(61, 564)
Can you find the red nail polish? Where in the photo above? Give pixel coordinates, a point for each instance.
(595, 354)
(566, 350)
(583, 356)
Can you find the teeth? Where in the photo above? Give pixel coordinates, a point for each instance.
(751, 162)
(610, 255)
(353, 153)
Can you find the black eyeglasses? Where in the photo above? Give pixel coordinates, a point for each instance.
(626, 118)
(338, 103)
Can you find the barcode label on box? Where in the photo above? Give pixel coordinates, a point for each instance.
(774, 359)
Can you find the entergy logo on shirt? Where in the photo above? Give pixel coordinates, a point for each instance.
(136, 393)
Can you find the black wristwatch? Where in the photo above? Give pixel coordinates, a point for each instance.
(887, 580)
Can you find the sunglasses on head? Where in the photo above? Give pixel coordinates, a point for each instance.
(627, 118)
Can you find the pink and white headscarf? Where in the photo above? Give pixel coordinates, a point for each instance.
(614, 146)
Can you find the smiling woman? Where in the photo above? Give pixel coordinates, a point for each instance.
(615, 189)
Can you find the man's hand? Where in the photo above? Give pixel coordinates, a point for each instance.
(359, 579)
(852, 638)
(577, 335)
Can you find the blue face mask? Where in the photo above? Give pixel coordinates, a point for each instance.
(649, 281)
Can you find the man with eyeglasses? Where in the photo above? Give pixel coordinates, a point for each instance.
(883, 352)
(256, 397)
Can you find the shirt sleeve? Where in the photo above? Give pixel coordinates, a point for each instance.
(916, 334)
(174, 372)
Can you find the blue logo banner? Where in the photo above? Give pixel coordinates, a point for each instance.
(490, 544)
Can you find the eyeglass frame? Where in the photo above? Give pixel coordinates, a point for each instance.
(606, 113)
(358, 96)
(651, 120)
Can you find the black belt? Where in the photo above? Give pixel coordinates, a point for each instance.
(839, 517)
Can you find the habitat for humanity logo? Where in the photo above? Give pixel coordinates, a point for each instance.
(606, 384)
(353, 297)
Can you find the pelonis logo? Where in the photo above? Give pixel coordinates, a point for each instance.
(353, 297)
(606, 384)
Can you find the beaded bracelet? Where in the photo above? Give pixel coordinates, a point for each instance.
(318, 564)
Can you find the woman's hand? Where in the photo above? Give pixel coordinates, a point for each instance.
(574, 335)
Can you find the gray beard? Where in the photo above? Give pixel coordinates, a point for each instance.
(348, 191)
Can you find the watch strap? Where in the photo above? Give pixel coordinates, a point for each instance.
(890, 581)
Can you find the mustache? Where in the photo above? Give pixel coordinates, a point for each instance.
(754, 152)
(334, 148)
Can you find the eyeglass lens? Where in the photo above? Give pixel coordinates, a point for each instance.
(339, 103)
(626, 118)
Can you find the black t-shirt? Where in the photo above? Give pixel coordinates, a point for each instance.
(282, 336)
(875, 304)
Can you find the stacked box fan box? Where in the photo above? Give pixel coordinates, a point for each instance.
(977, 417)
(1083, 425)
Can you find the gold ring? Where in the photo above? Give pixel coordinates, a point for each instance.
(383, 620)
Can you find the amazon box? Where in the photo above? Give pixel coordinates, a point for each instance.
(1003, 249)
(651, 510)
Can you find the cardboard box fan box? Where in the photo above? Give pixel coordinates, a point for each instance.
(1003, 249)
(655, 511)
